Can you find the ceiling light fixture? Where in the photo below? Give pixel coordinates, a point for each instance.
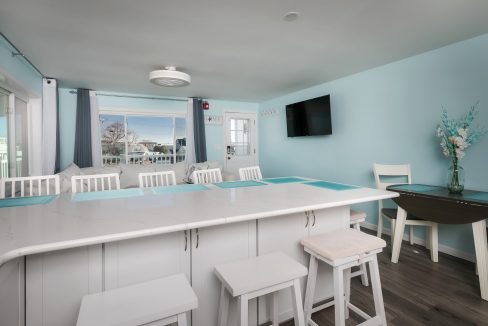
(169, 77)
(291, 16)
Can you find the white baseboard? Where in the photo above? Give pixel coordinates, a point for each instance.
(421, 241)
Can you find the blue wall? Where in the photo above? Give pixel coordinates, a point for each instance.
(17, 68)
(214, 133)
(388, 115)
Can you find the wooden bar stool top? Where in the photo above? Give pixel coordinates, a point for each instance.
(249, 275)
(357, 216)
(348, 244)
(138, 304)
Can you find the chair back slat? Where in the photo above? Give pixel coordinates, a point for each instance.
(250, 173)
(207, 176)
(157, 179)
(29, 186)
(396, 170)
(95, 182)
(385, 170)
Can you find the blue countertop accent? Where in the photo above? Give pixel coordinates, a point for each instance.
(178, 188)
(107, 194)
(285, 180)
(330, 185)
(239, 184)
(26, 201)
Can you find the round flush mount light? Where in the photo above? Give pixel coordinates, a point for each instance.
(291, 16)
(169, 77)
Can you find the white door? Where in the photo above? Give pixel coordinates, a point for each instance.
(240, 141)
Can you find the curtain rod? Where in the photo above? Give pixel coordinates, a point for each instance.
(134, 96)
(21, 54)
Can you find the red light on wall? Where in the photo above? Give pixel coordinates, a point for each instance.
(205, 105)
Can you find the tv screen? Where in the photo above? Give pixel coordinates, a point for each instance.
(309, 118)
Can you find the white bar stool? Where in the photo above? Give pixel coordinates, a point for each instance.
(356, 218)
(254, 277)
(342, 250)
(165, 301)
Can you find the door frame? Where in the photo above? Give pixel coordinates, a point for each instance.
(255, 146)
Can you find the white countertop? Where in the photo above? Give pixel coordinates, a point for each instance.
(64, 223)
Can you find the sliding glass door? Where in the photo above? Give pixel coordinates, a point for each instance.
(13, 136)
(4, 159)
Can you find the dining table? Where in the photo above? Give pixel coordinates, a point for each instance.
(437, 204)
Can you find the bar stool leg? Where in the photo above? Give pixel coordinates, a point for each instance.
(362, 267)
(310, 292)
(380, 226)
(243, 310)
(434, 244)
(297, 303)
(273, 305)
(182, 319)
(339, 296)
(347, 290)
(412, 242)
(377, 294)
(223, 306)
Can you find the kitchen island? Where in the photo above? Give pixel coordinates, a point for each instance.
(72, 247)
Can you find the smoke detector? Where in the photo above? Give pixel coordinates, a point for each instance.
(169, 77)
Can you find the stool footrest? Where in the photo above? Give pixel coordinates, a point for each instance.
(358, 311)
(375, 321)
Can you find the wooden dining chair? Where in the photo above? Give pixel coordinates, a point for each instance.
(157, 179)
(207, 176)
(382, 171)
(95, 182)
(29, 186)
(250, 173)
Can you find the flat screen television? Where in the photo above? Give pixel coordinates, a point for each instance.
(309, 118)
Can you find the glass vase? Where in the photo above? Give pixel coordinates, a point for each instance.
(455, 178)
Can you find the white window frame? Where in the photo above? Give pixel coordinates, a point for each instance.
(142, 112)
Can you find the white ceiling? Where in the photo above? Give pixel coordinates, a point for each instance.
(233, 49)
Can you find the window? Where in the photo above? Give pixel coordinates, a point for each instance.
(239, 137)
(13, 136)
(142, 139)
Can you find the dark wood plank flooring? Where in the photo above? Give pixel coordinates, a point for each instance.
(417, 291)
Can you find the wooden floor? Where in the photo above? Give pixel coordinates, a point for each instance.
(417, 291)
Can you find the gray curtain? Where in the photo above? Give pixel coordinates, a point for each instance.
(83, 145)
(199, 131)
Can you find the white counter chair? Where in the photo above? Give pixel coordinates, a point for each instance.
(207, 176)
(163, 301)
(258, 276)
(343, 249)
(95, 182)
(250, 173)
(356, 218)
(29, 186)
(402, 170)
(157, 179)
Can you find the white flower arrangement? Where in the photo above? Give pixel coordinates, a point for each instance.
(457, 136)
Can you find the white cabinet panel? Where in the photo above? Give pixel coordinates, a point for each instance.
(133, 261)
(327, 221)
(283, 234)
(56, 283)
(12, 293)
(218, 245)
